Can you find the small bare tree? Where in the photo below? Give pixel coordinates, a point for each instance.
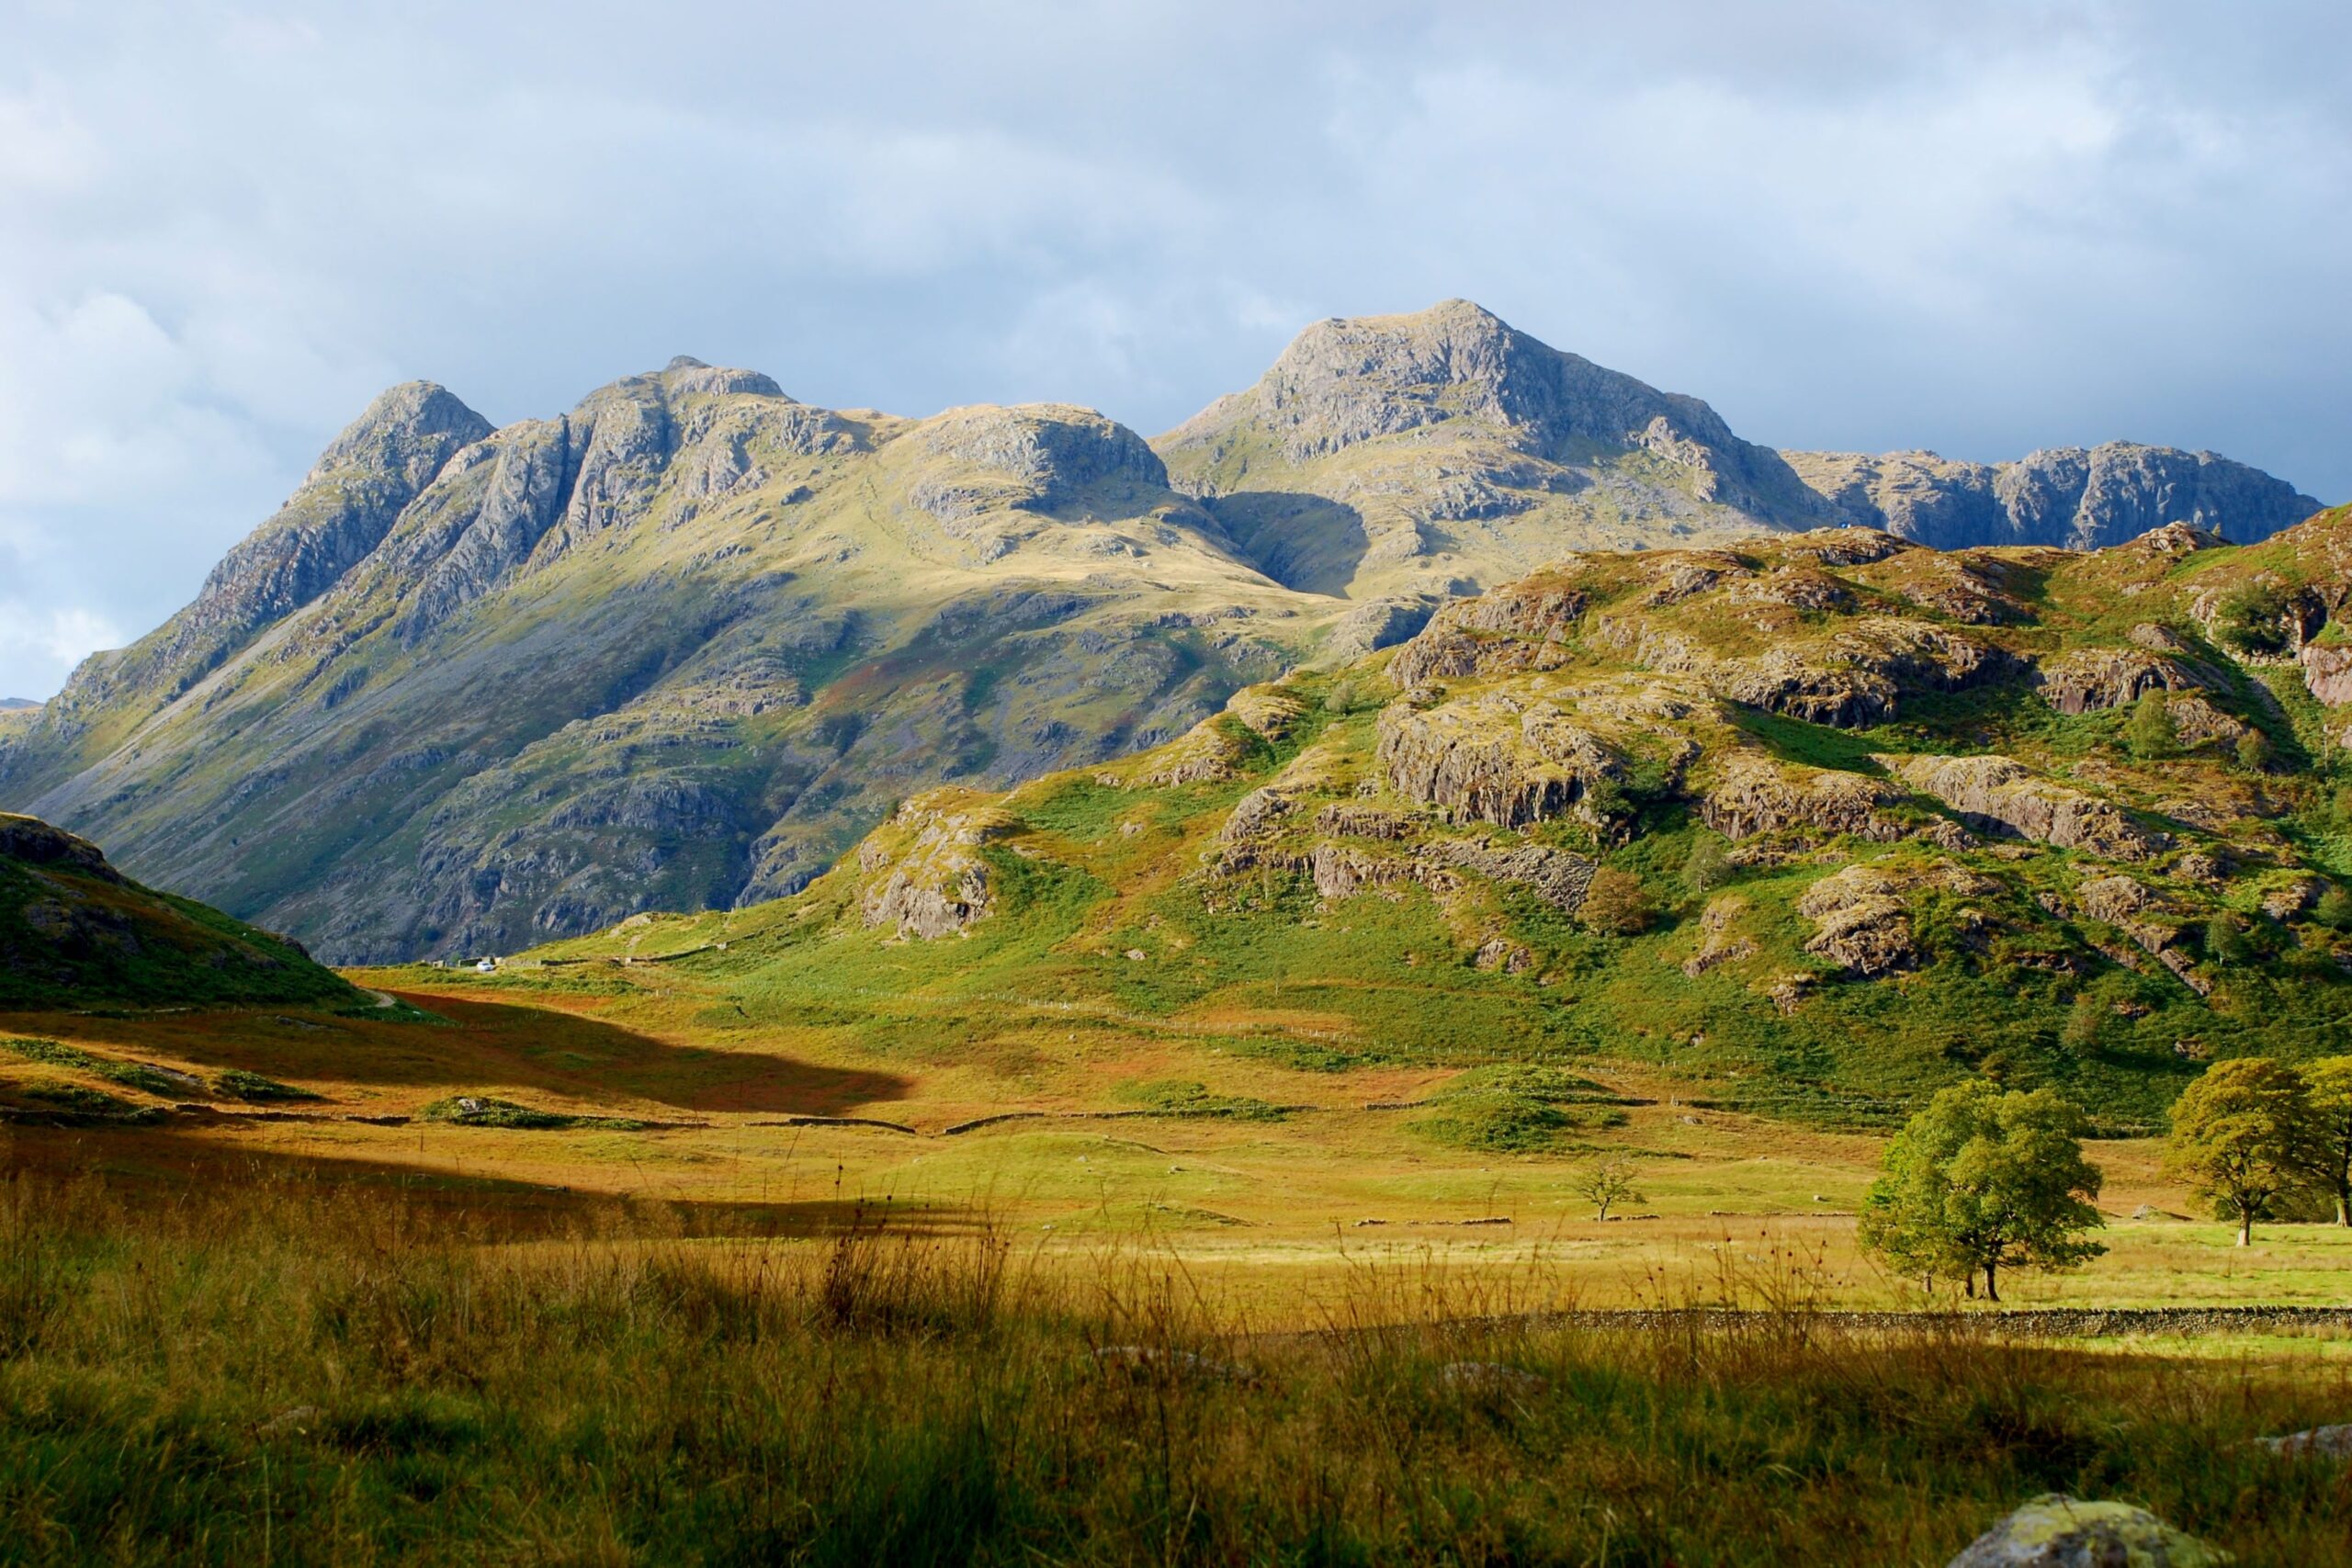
(1607, 1183)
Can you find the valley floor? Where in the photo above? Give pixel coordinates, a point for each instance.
(731, 1294)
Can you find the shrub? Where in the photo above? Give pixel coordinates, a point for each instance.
(2251, 619)
(1618, 903)
(2150, 732)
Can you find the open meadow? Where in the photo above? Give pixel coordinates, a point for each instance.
(548, 1266)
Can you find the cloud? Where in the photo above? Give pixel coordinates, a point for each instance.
(1979, 228)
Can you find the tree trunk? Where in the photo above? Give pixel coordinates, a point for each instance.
(1992, 1290)
(2344, 1204)
(2245, 1225)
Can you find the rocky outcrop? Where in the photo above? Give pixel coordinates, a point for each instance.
(1863, 923)
(2001, 794)
(1719, 940)
(2069, 497)
(1559, 878)
(925, 876)
(1853, 677)
(2327, 671)
(1034, 458)
(2091, 679)
(29, 840)
(2055, 1531)
(1749, 795)
(1496, 758)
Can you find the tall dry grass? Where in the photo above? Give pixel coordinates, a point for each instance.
(294, 1373)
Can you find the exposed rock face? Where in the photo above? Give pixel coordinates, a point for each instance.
(2327, 673)
(342, 511)
(1558, 877)
(931, 882)
(1863, 924)
(1719, 941)
(2090, 679)
(1039, 457)
(1496, 758)
(676, 647)
(1751, 796)
(1342, 382)
(1999, 794)
(2067, 497)
(1854, 678)
(2055, 1531)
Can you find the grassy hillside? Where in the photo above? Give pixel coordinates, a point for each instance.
(75, 934)
(1865, 818)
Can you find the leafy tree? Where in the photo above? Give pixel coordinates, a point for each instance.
(1606, 1184)
(1617, 903)
(2249, 619)
(1984, 1179)
(2150, 732)
(2253, 751)
(2242, 1139)
(2224, 943)
(2329, 1152)
(2334, 909)
(1708, 866)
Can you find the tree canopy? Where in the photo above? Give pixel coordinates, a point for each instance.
(1981, 1180)
(2242, 1136)
(2330, 1144)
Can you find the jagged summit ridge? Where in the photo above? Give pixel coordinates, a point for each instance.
(2072, 496)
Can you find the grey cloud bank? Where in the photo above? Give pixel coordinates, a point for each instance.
(1848, 226)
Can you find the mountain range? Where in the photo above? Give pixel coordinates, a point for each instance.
(473, 688)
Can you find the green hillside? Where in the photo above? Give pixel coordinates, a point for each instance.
(1807, 824)
(75, 933)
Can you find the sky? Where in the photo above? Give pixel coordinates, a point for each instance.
(1980, 228)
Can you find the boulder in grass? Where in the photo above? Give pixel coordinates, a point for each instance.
(2320, 1442)
(2055, 1531)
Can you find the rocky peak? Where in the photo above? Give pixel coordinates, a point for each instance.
(2071, 497)
(1035, 456)
(1343, 382)
(408, 433)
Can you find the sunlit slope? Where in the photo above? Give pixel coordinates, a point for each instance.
(1951, 841)
(679, 647)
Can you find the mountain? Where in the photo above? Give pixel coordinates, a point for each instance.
(678, 646)
(1809, 823)
(16, 705)
(2070, 497)
(75, 934)
(1403, 457)
(471, 689)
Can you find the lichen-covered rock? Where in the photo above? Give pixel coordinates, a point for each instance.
(1557, 876)
(1354, 821)
(1496, 758)
(926, 876)
(1751, 796)
(2056, 1531)
(2327, 671)
(2319, 1442)
(1863, 924)
(1999, 794)
(1853, 677)
(1269, 713)
(2090, 679)
(1719, 943)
